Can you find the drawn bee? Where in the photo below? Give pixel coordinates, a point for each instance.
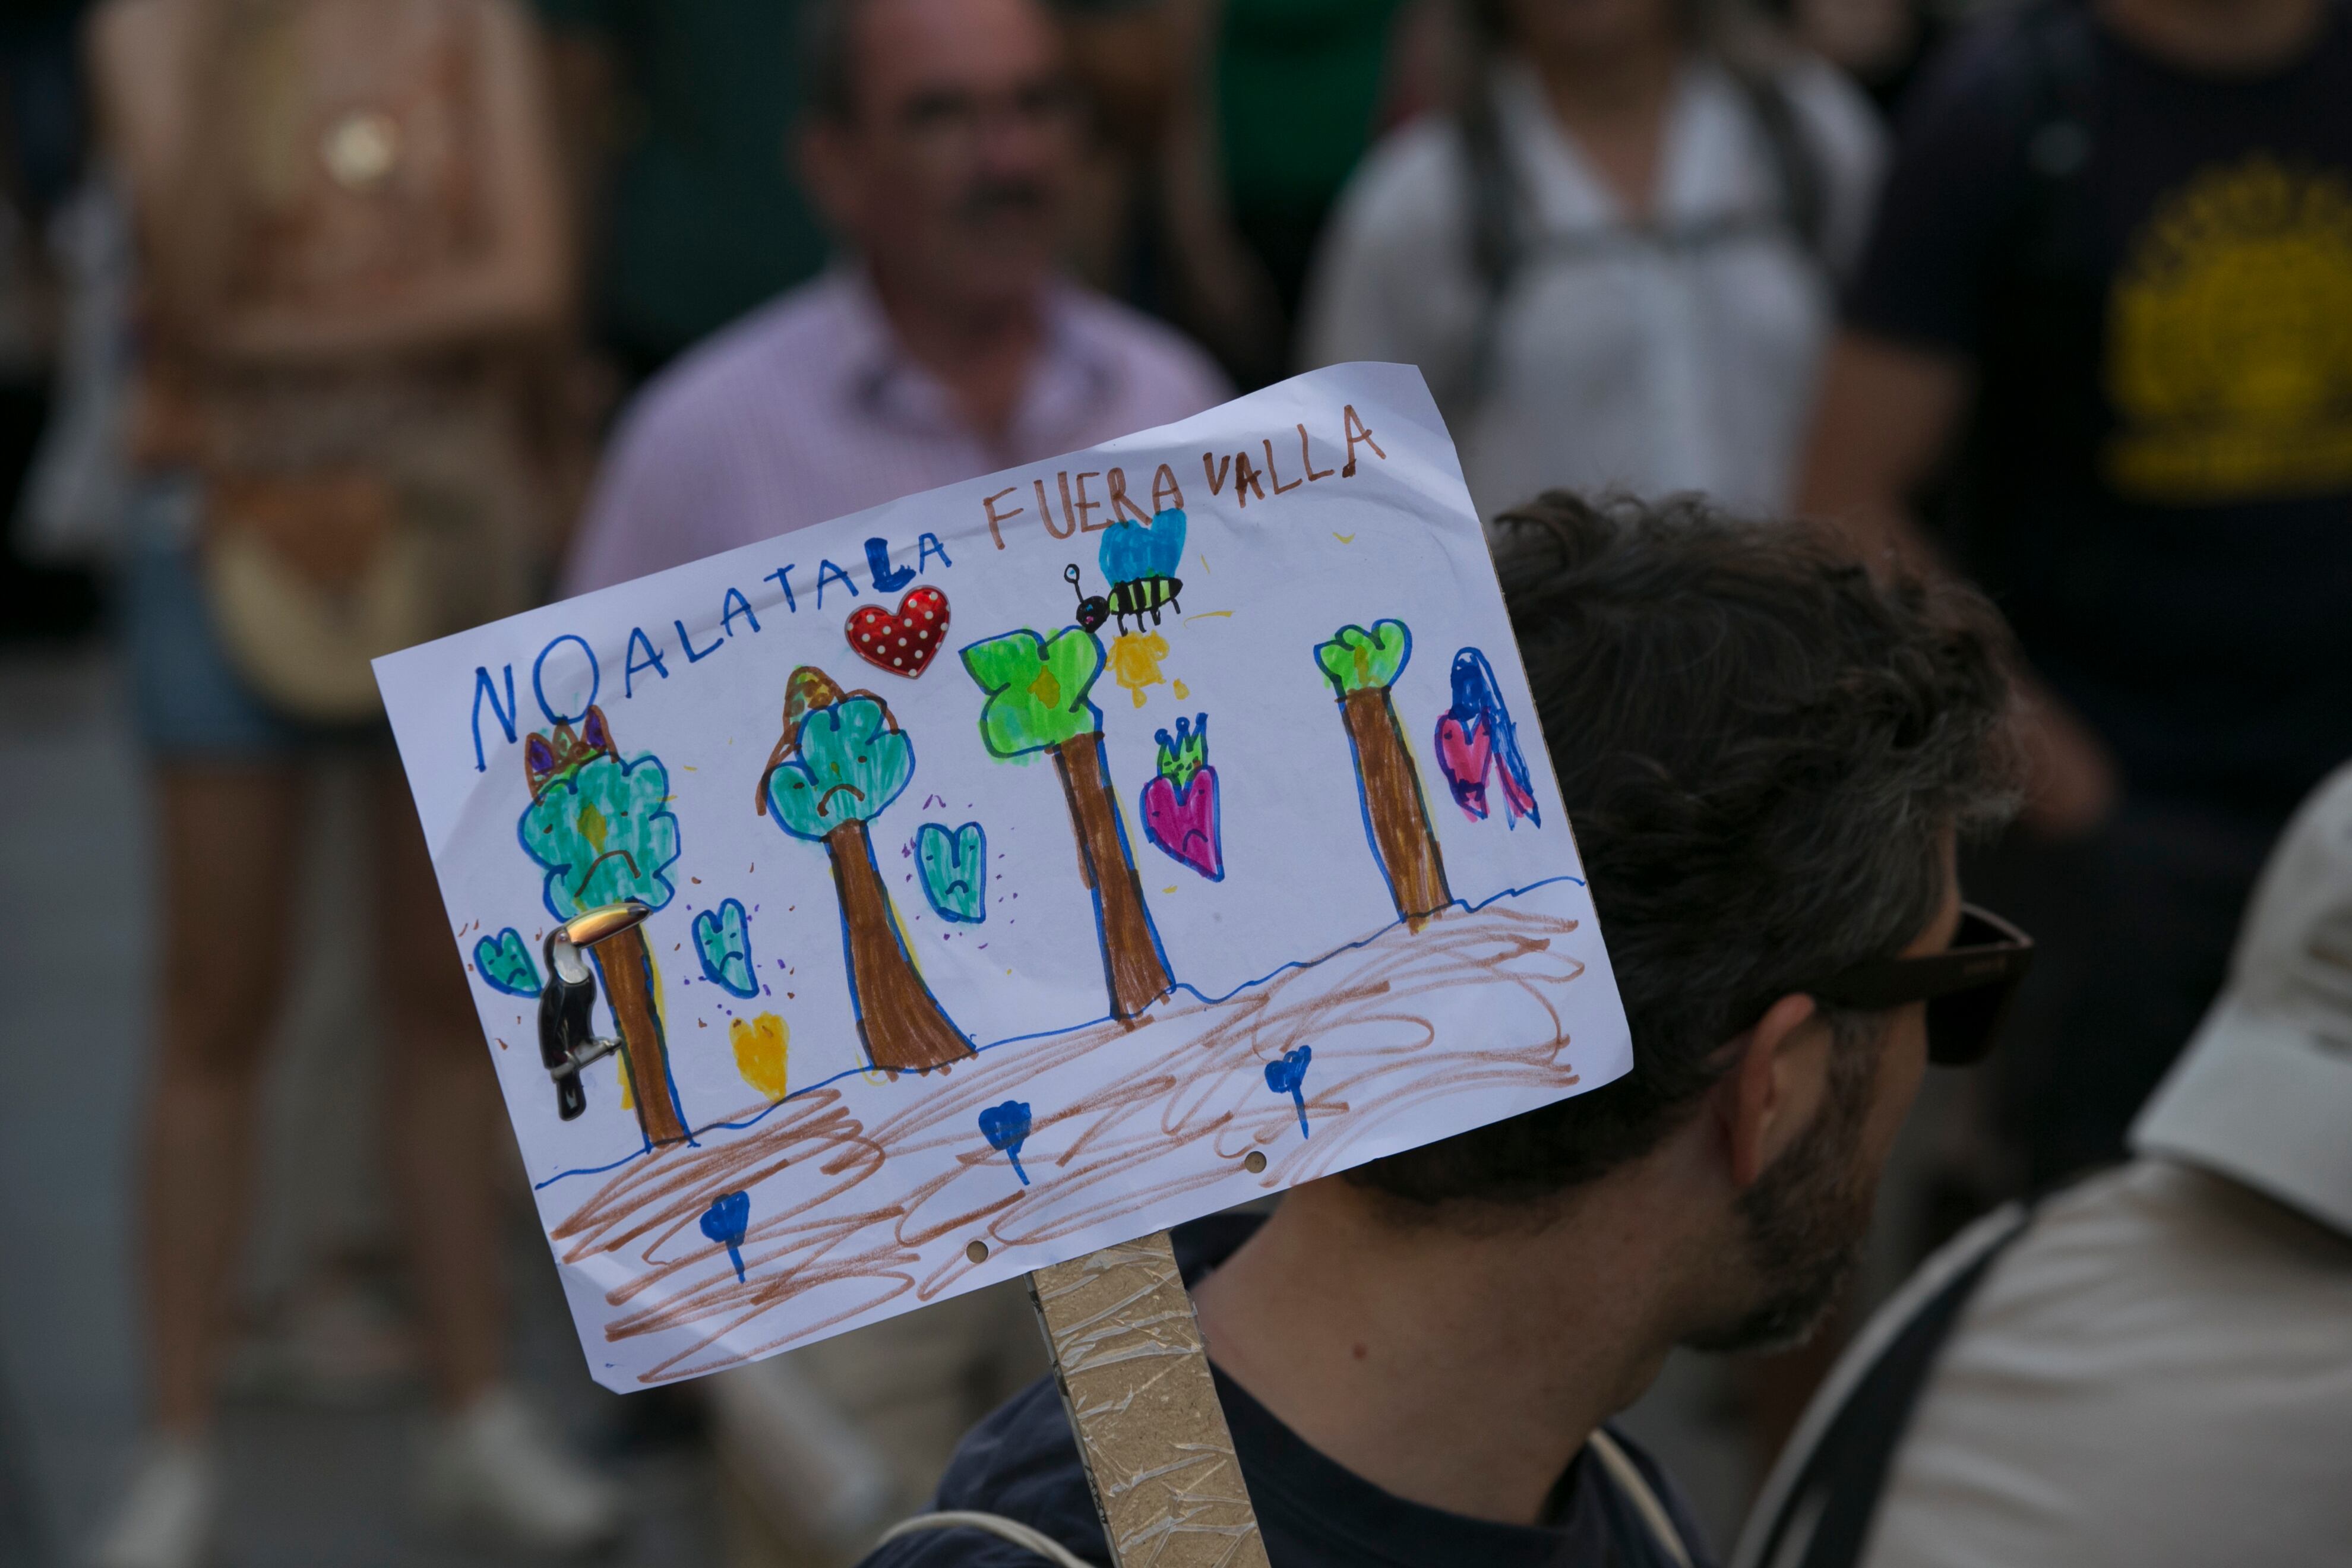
(1140, 560)
(1138, 597)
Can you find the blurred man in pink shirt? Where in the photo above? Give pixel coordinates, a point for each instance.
(942, 140)
(943, 137)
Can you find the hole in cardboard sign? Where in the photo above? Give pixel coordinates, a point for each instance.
(1254, 1161)
(977, 1252)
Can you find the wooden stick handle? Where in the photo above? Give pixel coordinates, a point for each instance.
(1135, 1379)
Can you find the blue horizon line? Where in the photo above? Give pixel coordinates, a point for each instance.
(1301, 964)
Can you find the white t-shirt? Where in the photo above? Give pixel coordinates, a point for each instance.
(2158, 1374)
(1618, 360)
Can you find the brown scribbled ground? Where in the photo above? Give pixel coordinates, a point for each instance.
(1187, 1104)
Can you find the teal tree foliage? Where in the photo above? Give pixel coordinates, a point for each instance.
(605, 832)
(1037, 689)
(852, 761)
(505, 964)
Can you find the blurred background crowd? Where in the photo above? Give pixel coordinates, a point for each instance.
(329, 326)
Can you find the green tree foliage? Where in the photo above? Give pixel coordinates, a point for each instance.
(1037, 689)
(1358, 661)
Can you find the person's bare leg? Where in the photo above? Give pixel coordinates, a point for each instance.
(230, 834)
(446, 1123)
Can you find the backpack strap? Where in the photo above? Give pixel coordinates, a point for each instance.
(1012, 1529)
(1499, 245)
(1641, 1494)
(1818, 1505)
(1796, 167)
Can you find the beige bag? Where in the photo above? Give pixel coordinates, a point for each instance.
(311, 576)
(351, 511)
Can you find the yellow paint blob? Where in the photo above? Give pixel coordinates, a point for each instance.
(1181, 691)
(1046, 689)
(761, 1045)
(1135, 662)
(592, 825)
(621, 1076)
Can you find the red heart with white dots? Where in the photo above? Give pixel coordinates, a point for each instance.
(903, 644)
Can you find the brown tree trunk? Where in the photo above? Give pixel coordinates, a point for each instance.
(1395, 807)
(628, 971)
(897, 1018)
(1133, 967)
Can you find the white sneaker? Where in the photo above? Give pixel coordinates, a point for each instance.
(493, 1466)
(166, 1518)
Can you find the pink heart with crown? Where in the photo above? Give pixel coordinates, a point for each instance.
(1465, 755)
(1183, 823)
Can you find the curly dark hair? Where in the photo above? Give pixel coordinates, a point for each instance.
(1761, 748)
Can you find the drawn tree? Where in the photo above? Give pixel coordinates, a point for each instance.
(841, 762)
(1037, 701)
(602, 830)
(1361, 665)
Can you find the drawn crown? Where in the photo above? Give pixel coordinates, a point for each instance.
(1188, 753)
(549, 757)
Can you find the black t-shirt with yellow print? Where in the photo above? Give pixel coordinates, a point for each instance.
(2151, 273)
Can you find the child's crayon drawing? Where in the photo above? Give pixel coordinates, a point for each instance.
(926, 963)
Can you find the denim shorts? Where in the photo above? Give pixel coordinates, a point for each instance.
(189, 700)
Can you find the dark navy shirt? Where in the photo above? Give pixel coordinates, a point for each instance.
(1022, 1462)
(2151, 272)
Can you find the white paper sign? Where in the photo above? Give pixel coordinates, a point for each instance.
(1169, 820)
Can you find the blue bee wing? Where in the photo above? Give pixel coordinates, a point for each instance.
(1132, 551)
(1124, 556)
(1164, 544)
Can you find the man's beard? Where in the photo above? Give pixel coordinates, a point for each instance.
(1805, 1220)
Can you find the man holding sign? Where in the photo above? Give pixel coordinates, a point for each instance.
(1769, 761)
(971, 889)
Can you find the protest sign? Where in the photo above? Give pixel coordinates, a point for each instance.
(1007, 871)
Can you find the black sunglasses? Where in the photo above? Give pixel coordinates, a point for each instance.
(1968, 986)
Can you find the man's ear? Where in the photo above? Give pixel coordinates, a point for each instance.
(1771, 1093)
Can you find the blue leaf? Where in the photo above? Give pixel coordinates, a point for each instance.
(504, 964)
(1288, 1077)
(723, 942)
(954, 864)
(1006, 1127)
(725, 1221)
(728, 1217)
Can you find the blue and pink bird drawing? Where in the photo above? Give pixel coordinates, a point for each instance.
(1477, 740)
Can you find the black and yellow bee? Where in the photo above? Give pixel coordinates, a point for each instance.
(1136, 597)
